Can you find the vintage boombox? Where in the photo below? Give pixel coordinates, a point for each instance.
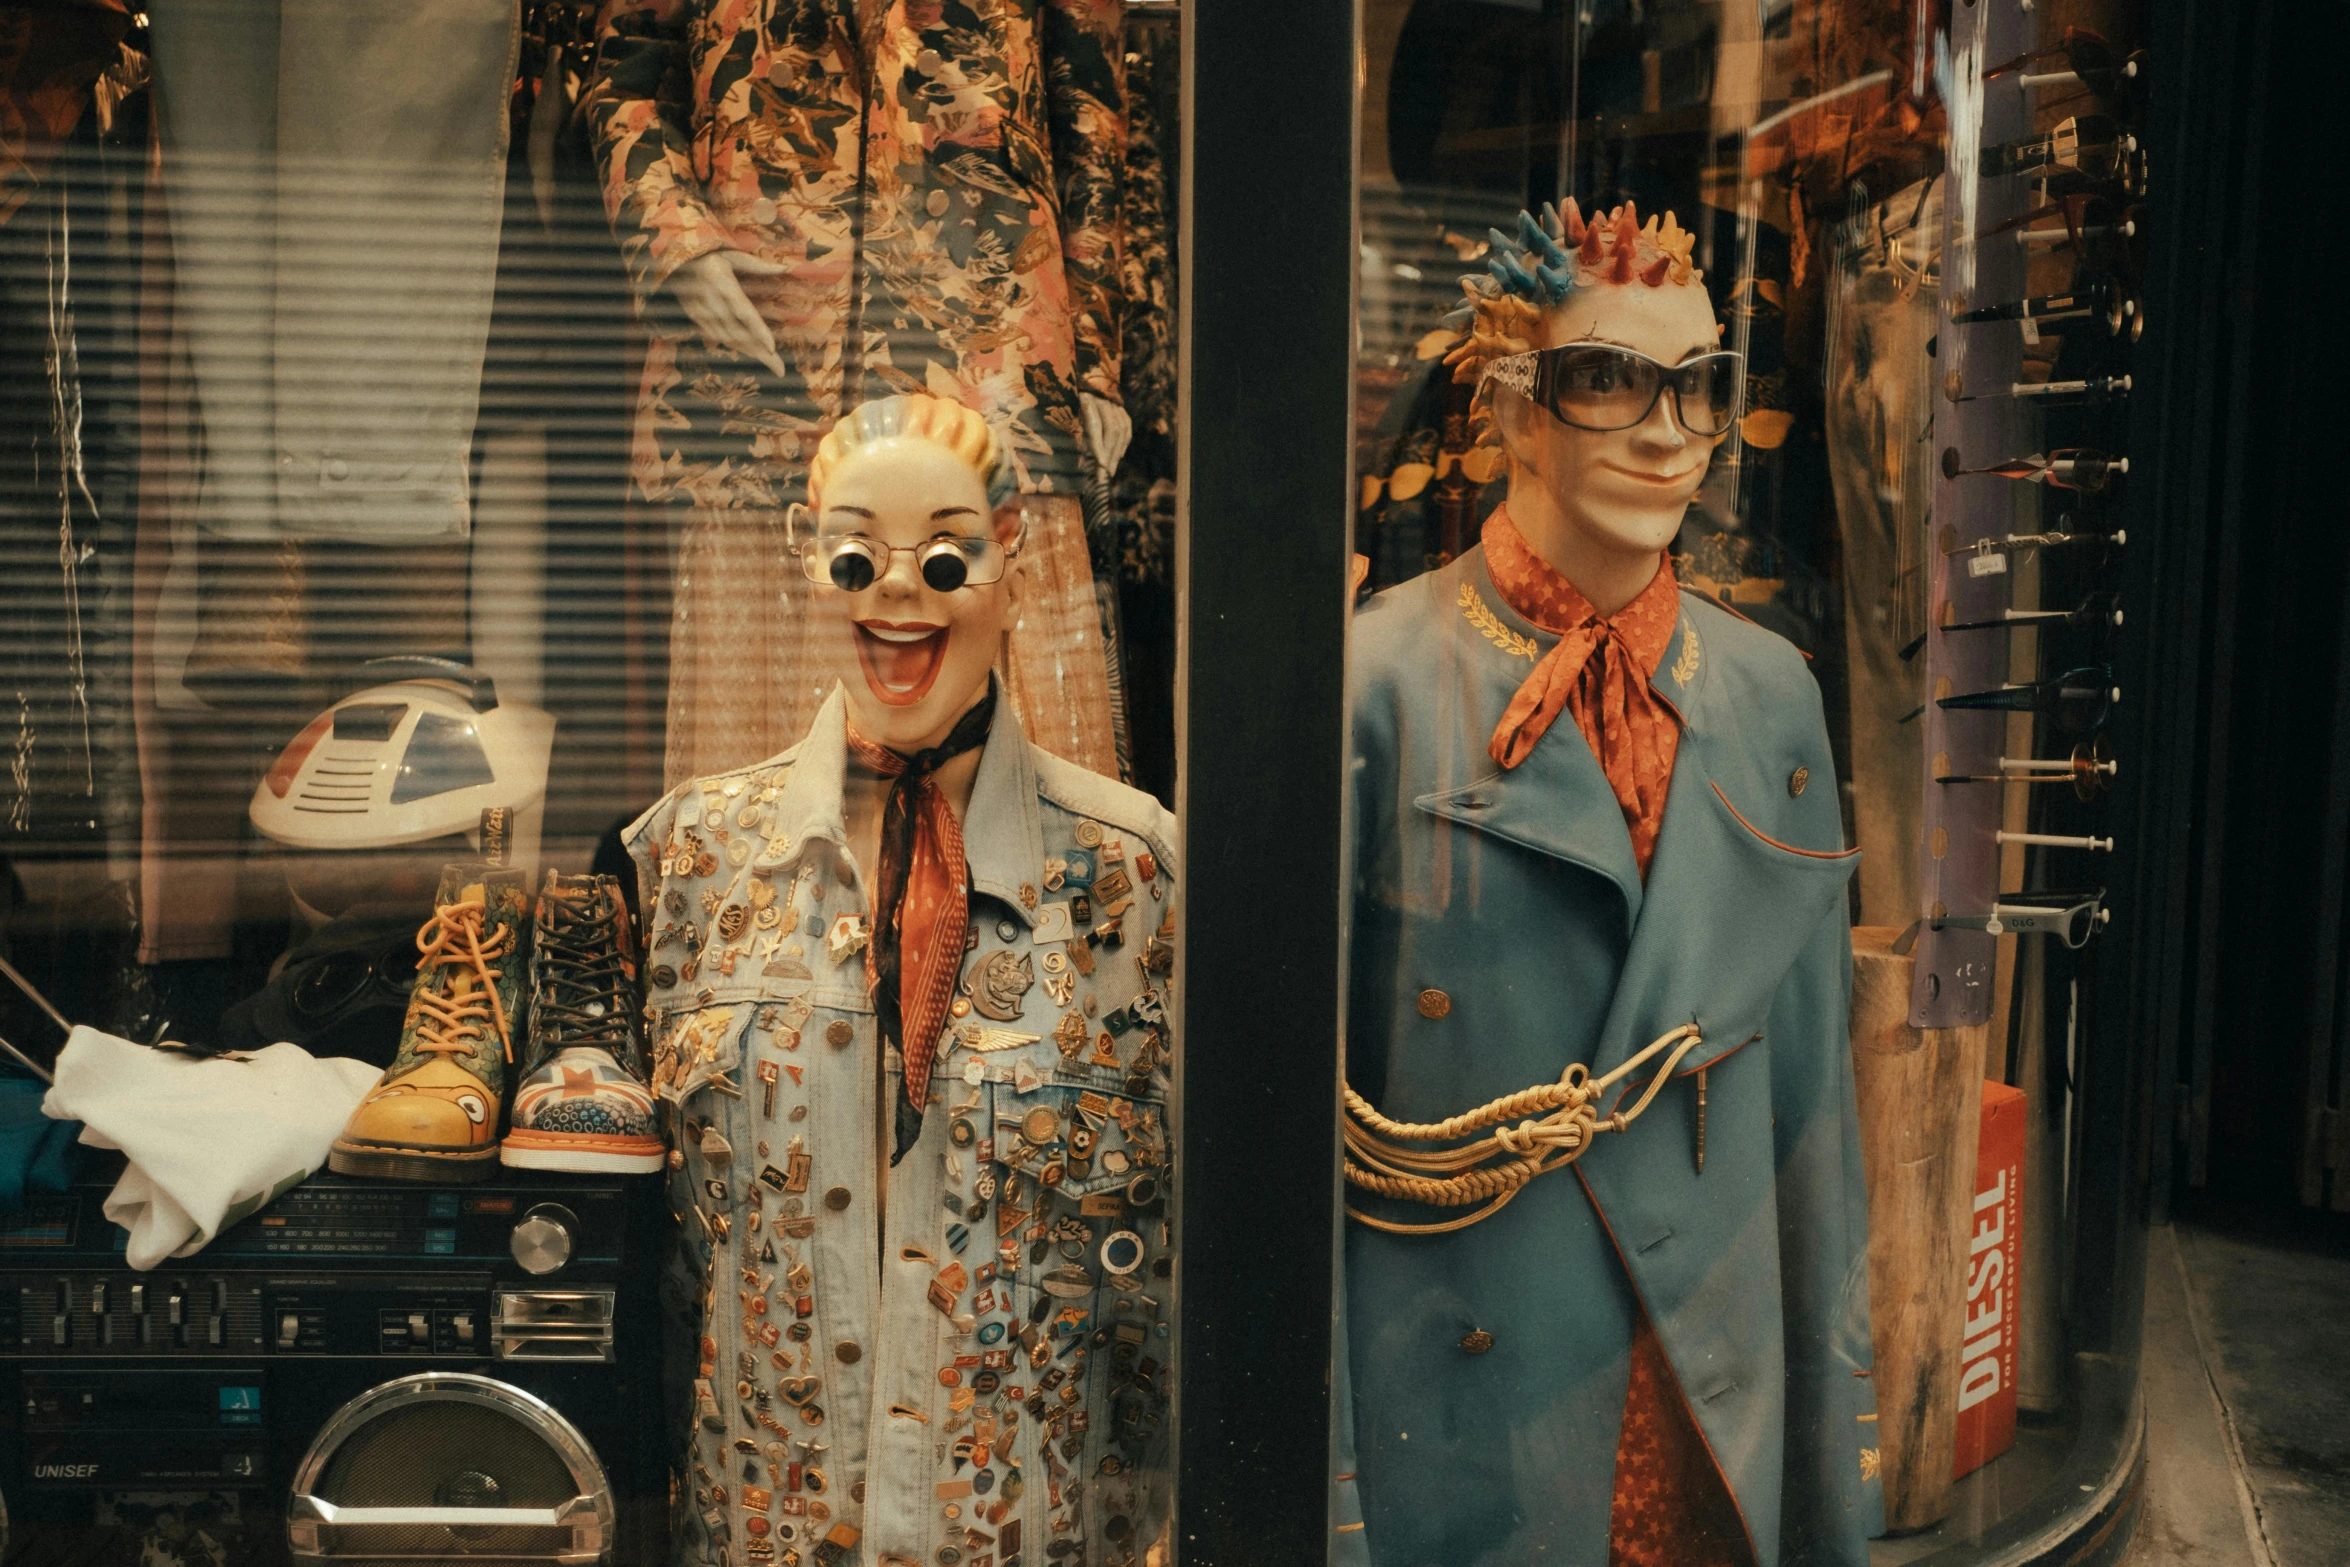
(361, 1372)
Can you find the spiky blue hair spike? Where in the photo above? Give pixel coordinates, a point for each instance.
(1535, 238)
(1511, 276)
(1530, 264)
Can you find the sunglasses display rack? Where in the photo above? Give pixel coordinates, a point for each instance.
(2039, 227)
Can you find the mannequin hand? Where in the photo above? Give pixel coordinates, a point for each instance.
(710, 289)
(1108, 428)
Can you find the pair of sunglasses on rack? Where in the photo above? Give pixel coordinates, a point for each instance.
(2093, 389)
(2100, 300)
(2090, 770)
(1988, 556)
(2102, 68)
(853, 562)
(2107, 237)
(2098, 609)
(2093, 146)
(2075, 701)
(1597, 386)
(2078, 468)
(2071, 917)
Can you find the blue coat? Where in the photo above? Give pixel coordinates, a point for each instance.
(1516, 894)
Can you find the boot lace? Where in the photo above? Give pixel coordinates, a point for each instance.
(586, 987)
(453, 948)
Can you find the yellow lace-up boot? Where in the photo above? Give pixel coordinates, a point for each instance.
(434, 1116)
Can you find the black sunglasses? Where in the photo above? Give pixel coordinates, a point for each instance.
(2099, 299)
(1597, 386)
(2097, 610)
(2087, 55)
(2071, 917)
(2076, 701)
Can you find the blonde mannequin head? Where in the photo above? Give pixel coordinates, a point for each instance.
(903, 474)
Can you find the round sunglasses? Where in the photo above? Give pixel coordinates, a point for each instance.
(1597, 386)
(853, 562)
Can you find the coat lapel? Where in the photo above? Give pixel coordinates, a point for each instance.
(1726, 909)
(1556, 802)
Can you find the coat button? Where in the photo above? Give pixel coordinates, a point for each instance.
(1434, 1003)
(838, 1032)
(1476, 1341)
(848, 1352)
(837, 1198)
(1797, 779)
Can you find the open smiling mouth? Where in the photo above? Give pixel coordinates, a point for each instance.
(900, 660)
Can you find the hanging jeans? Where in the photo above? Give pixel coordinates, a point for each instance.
(1881, 313)
(334, 171)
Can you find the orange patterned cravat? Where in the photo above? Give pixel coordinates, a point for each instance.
(1671, 1506)
(1599, 672)
(921, 907)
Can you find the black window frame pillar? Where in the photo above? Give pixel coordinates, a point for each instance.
(1267, 276)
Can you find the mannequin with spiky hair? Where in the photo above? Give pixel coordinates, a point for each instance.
(1585, 824)
(1534, 270)
(1585, 499)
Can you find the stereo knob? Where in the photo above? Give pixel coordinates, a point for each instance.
(541, 1243)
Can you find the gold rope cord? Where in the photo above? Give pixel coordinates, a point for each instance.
(1553, 1127)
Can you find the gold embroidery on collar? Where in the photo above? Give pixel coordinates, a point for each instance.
(1489, 625)
(1685, 667)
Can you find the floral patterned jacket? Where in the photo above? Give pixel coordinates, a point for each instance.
(941, 177)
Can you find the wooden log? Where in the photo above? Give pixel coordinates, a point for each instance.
(1920, 1094)
(2040, 1360)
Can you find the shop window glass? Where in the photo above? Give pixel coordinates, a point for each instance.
(591, 665)
(1741, 393)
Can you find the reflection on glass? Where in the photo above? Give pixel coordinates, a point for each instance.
(1633, 677)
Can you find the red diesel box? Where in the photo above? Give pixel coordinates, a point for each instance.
(1986, 1376)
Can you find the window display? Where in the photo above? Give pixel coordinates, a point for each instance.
(424, 951)
(1690, 1315)
(607, 619)
(1769, 549)
(846, 1065)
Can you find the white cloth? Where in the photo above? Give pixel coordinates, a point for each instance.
(209, 1141)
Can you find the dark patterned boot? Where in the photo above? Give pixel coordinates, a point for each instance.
(583, 1104)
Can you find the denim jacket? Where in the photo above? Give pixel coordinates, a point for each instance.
(972, 1364)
